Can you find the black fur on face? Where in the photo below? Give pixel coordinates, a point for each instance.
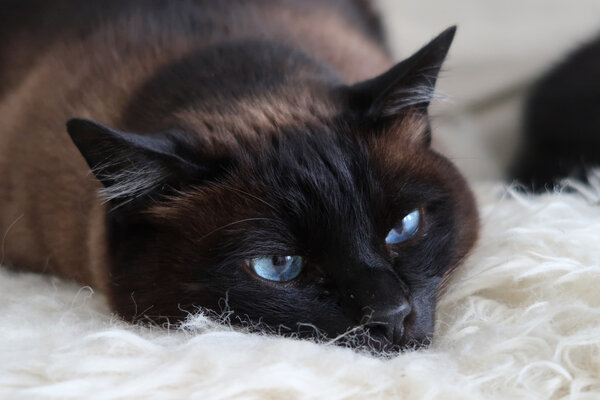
(328, 189)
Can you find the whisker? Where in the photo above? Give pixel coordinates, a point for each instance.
(6, 234)
(252, 196)
(234, 223)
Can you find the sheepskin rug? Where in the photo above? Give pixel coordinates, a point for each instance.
(520, 320)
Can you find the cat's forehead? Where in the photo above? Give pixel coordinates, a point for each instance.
(310, 160)
(322, 171)
(340, 169)
(347, 169)
(304, 171)
(241, 123)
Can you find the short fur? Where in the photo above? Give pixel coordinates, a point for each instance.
(229, 130)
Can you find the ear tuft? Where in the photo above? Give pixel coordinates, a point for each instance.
(129, 165)
(416, 98)
(407, 87)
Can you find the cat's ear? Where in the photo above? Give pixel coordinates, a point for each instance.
(407, 87)
(131, 165)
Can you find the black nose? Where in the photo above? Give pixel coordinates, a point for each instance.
(390, 322)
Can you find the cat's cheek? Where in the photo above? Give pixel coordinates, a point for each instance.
(419, 325)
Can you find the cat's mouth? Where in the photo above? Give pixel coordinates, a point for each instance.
(402, 333)
(376, 341)
(379, 339)
(399, 332)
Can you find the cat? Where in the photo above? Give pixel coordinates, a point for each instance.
(267, 154)
(561, 128)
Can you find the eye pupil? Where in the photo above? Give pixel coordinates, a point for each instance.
(405, 229)
(280, 260)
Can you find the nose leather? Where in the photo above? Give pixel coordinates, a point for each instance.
(391, 321)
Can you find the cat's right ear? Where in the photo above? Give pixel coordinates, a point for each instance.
(405, 89)
(131, 165)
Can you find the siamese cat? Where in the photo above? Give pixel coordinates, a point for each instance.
(174, 154)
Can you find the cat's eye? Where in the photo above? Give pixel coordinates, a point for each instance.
(405, 229)
(276, 268)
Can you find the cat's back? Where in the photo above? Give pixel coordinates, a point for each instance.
(328, 29)
(59, 60)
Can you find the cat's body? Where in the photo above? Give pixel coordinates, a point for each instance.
(248, 142)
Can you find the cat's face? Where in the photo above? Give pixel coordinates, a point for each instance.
(338, 222)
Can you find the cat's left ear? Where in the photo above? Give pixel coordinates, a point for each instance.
(407, 87)
(132, 166)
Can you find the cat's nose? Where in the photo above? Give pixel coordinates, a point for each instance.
(391, 322)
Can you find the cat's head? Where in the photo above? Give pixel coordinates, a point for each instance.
(294, 211)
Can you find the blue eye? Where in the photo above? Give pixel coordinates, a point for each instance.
(276, 268)
(405, 229)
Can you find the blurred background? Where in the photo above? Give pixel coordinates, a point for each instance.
(500, 49)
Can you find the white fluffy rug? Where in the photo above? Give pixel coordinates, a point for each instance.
(521, 320)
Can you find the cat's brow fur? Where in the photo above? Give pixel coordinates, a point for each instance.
(264, 151)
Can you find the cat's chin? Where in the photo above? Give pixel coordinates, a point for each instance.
(367, 340)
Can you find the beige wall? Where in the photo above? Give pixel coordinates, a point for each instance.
(500, 48)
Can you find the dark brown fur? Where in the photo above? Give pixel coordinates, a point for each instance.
(53, 67)
(61, 73)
